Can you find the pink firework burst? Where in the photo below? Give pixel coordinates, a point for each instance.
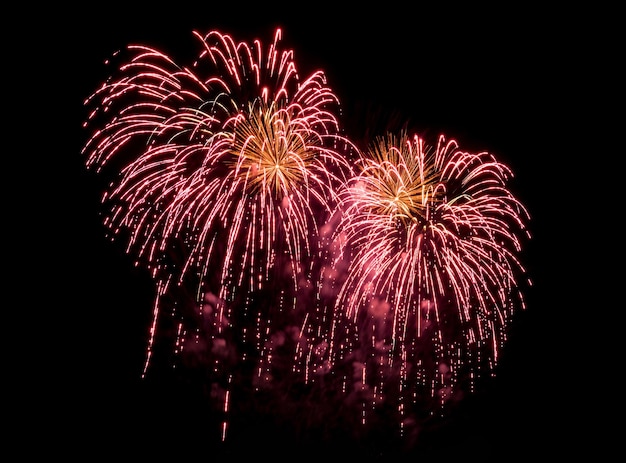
(221, 173)
(429, 238)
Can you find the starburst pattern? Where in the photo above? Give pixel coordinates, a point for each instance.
(225, 170)
(430, 241)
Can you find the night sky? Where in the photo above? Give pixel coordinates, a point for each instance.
(493, 80)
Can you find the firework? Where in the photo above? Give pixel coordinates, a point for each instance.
(221, 174)
(429, 238)
(280, 250)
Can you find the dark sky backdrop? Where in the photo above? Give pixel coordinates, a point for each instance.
(492, 79)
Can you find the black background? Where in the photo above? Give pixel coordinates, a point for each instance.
(509, 79)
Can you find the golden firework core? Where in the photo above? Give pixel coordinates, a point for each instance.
(403, 190)
(271, 153)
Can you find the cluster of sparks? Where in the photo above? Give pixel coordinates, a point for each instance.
(393, 269)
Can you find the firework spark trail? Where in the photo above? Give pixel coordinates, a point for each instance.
(224, 168)
(431, 238)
